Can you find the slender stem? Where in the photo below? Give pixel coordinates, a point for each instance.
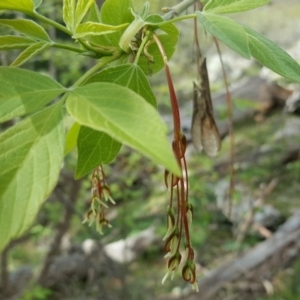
(190, 16)
(178, 9)
(183, 213)
(186, 175)
(141, 48)
(171, 191)
(102, 62)
(51, 22)
(104, 50)
(179, 215)
(173, 98)
(161, 49)
(63, 46)
(67, 31)
(87, 46)
(198, 51)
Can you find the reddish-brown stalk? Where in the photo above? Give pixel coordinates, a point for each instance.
(182, 223)
(173, 98)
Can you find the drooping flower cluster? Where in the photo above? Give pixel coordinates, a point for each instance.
(180, 211)
(99, 199)
(179, 220)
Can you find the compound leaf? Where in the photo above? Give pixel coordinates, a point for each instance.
(24, 91)
(31, 154)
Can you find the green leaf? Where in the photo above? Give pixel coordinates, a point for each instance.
(126, 117)
(168, 36)
(69, 14)
(232, 6)
(14, 42)
(272, 56)
(93, 28)
(145, 10)
(37, 3)
(25, 6)
(128, 75)
(71, 138)
(94, 13)
(131, 31)
(27, 27)
(114, 12)
(24, 91)
(31, 154)
(30, 52)
(227, 31)
(94, 148)
(82, 8)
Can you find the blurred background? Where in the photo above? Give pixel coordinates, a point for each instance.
(252, 254)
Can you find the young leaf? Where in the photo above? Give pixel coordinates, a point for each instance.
(126, 117)
(24, 91)
(26, 6)
(71, 137)
(94, 13)
(31, 154)
(30, 52)
(114, 12)
(69, 14)
(131, 31)
(168, 36)
(92, 28)
(14, 42)
(27, 27)
(272, 56)
(37, 3)
(94, 148)
(128, 75)
(227, 31)
(145, 10)
(81, 9)
(232, 6)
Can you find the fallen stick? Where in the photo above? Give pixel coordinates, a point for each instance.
(287, 234)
